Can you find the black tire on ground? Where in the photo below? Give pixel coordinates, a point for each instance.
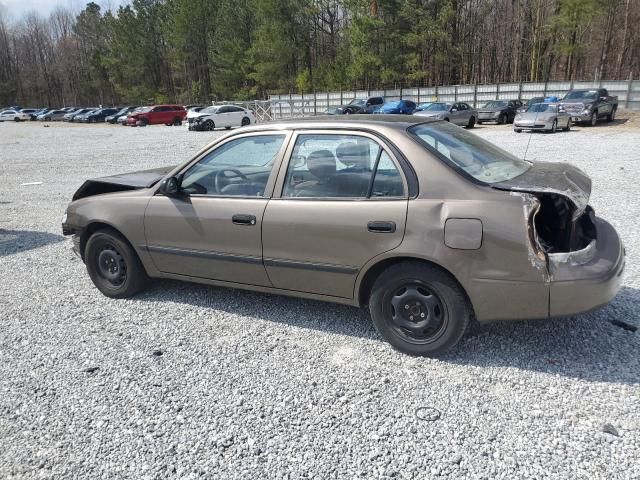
(554, 126)
(568, 127)
(209, 125)
(472, 122)
(16, 119)
(501, 119)
(143, 122)
(612, 115)
(517, 130)
(177, 121)
(245, 121)
(227, 128)
(446, 120)
(419, 308)
(114, 267)
(594, 118)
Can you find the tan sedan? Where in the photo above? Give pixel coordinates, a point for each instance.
(422, 221)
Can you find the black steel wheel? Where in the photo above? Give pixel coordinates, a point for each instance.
(113, 265)
(245, 121)
(419, 308)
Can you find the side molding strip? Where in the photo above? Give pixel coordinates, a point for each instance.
(320, 267)
(228, 257)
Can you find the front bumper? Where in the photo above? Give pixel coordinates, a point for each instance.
(75, 245)
(580, 117)
(587, 279)
(538, 125)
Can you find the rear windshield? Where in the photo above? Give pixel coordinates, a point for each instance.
(582, 94)
(467, 152)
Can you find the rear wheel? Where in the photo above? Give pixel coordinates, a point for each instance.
(612, 116)
(245, 121)
(177, 121)
(501, 119)
(419, 309)
(114, 267)
(472, 122)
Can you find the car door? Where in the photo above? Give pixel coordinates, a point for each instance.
(212, 228)
(456, 114)
(339, 202)
(225, 117)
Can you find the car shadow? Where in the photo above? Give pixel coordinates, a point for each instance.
(16, 241)
(599, 346)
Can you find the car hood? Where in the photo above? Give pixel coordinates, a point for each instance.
(531, 116)
(121, 182)
(556, 178)
(427, 113)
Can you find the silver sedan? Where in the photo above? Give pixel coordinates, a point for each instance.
(459, 113)
(548, 117)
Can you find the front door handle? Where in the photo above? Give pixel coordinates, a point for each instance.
(241, 219)
(381, 227)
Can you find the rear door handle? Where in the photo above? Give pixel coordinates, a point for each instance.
(241, 219)
(381, 227)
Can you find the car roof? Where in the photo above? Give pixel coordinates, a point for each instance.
(394, 122)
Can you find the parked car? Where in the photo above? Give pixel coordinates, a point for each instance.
(400, 107)
(423, 106)
(217, 116)
(362, 105)
(123, 111)
(530, 102)
(548, 117)
(157, 114)
(13, 116)
(459, 113)
(75, 114)
(588, 106)
(52, 115)
(333, 111)
(34, 115)
(499, 111)
(28, 111)
(446, 228)
(98, 115)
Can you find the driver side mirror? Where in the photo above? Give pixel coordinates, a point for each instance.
(170, 186)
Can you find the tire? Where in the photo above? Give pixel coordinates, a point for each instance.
(427, 290)
(114, 267)
(472, 122)
(227, 128)
(447, 120)
(594, 119)
(554, 126)
(168, 124)
(612, 116)
(501, 119)
(245, 121)
(568, 127)
(209, 125)
(143, 122)
(47, 119)
(517, 130)
(177, 121)
(17, 120)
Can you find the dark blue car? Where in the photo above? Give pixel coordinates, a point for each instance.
(403, 107)
(99, 115)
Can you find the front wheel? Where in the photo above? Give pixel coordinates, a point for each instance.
(114, 267)
(517, 130)
(209, 125)
(245, 122)
(554, 127)
(17, 120)
(177, 121)
(419, 309)
(593, 120)
(612, 116)
(472, 122)
(501, 119)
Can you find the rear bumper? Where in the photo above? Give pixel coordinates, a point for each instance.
(587, 279)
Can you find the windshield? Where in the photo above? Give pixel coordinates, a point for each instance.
(582, 94)
(495, 104)
(423, 106)
(358, 102)
(542, 107)
(143, 109)
(211, 109)
(438, 107)
(465, 151)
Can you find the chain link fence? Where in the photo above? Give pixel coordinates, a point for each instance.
(308, 104)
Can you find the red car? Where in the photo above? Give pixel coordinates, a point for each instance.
(167, 114)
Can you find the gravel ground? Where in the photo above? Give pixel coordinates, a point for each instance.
(188, 382)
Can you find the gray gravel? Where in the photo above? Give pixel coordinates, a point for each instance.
(190, 382)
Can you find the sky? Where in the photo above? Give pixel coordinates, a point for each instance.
(14, 9)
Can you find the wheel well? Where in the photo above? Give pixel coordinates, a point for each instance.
(374, 272)
(93, 228)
